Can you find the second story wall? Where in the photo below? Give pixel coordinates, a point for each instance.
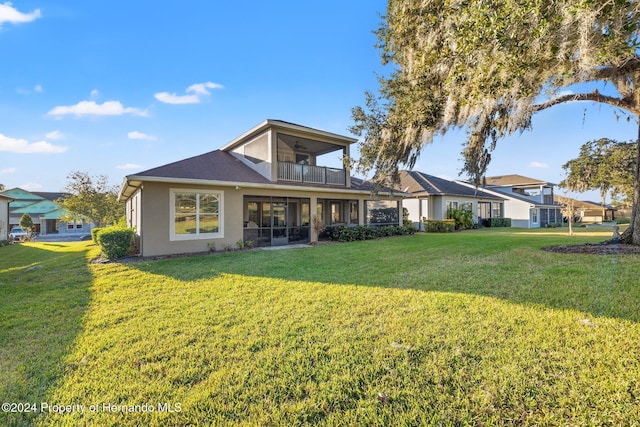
(257, 154)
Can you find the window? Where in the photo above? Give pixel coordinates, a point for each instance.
(196, 214)
(353, 212)
(382, 212)
(484, 210)
(534, 215)
(336, 212)
(74, 224)
(451, 206)
(497, 210)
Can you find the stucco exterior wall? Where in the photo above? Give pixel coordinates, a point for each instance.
(154, 224)
(520, 214)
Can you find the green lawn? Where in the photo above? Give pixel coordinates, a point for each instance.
(471, 328)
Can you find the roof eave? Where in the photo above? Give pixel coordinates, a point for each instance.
(133, 182)
(270, 123)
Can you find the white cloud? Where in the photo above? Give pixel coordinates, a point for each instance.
(140, 135)
(95, 93)
(169, 98)
(31, 186)
(36, 89)
(540, 165)
(129, 166)
(196, 93)
(56, 135)
(90, 108)
(201, 88)
(22, 146)
(9, 14)
(8, 170)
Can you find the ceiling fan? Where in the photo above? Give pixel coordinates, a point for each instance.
(299, 146)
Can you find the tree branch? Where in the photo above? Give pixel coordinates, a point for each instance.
(594, 96)
(629, 67)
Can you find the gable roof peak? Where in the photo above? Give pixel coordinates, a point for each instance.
(284, 125)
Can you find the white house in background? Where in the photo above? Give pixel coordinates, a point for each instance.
(4, 216)
(430, 197)
(529, 202)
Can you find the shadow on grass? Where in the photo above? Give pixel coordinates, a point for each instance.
(508, 266)
(44, 295)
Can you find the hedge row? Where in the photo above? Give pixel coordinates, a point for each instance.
(368, 232)
(436, 226)
(115, 242)
(496, 222)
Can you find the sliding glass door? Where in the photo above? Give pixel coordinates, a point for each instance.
(279, 235)
(276, 221)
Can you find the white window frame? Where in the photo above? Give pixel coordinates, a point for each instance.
(534, 215)
(198, 236)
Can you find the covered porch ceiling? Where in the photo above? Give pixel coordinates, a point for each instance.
(307, 145)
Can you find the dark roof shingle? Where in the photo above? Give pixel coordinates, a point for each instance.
(414, 182)
(213, 166)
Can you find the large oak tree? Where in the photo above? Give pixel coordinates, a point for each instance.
(489, 66)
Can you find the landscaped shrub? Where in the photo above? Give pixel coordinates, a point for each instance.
(623, 220)
(116, 242)
(368, 232)
(437, 226)
(463, 217)
(496, 222)
(94, 234)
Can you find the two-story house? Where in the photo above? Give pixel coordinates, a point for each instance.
(529, 202)
(267, 186)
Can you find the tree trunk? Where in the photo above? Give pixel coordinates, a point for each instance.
(632, 234)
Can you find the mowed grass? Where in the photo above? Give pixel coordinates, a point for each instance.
(472, 328)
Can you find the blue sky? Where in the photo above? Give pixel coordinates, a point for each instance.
(117, 87)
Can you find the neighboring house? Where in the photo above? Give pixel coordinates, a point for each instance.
(4, 216)
(44, 212)
(529, 201)
(430, 197)
(586, 211)
(265, 186)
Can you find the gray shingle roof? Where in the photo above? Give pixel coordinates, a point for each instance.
(414, 182)
(213, 166)
(221, 166)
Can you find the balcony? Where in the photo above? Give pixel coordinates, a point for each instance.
(295, 172)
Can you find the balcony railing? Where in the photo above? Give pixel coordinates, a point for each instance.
(312, 174)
